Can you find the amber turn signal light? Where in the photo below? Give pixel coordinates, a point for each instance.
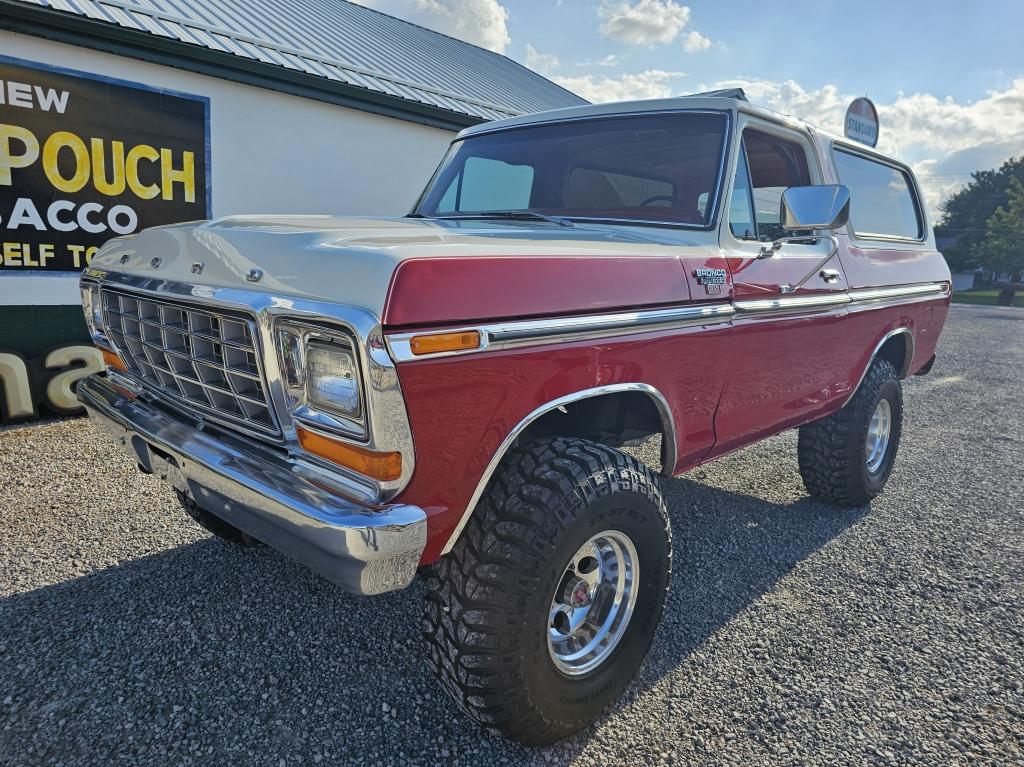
(381, 466)
(445, 342)
(113, 360)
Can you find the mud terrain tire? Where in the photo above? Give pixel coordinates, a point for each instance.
(488, 612)
(832, 451)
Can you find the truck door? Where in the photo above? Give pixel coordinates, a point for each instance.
(789, 361)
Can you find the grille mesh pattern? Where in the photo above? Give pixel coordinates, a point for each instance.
(198, 357)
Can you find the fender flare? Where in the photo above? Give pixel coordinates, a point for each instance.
(669, 440)
(907, 362)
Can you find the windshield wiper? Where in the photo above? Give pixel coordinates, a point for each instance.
(512, 214)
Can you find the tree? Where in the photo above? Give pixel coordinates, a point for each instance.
(966, 213)
(1003, 246)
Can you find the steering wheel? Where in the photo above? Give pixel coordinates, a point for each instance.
(671, 199)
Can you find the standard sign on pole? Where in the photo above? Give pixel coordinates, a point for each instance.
(862, 122)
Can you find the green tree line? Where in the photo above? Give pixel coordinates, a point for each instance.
(985, 220)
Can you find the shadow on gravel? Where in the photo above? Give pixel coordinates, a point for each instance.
(730, 549)
(225, 655)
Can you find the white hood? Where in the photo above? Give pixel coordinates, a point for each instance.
(351, 260)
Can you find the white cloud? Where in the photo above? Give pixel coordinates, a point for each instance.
(643, 22)
(696, 42)
(540, 62)
(650, 84)
(943, 139)
(481, 22)
(611, 60)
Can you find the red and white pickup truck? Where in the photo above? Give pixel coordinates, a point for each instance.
(449, 390)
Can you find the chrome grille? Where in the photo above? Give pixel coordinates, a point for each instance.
(202, 359)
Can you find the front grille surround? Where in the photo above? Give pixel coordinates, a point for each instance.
(197, 357)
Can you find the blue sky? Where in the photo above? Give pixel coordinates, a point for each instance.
(947, 77)
(955, 49)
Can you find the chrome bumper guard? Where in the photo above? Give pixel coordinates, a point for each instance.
(364, 550)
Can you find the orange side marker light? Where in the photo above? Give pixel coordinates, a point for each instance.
(434, 343)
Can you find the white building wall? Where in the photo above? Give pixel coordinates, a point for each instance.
(270, 152)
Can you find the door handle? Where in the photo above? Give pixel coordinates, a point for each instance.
(829, 275)
(832, 251)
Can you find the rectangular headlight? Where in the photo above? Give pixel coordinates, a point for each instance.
(332, 379)
(320, 373)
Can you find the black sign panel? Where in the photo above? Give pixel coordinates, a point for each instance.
(85, 158)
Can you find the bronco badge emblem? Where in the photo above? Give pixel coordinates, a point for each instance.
(711, 279)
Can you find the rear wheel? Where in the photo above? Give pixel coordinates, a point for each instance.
(215, 524)
(847, 457)
(544, 610)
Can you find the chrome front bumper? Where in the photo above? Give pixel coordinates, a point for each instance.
(364, 550)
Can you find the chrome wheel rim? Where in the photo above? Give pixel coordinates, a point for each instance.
(878, 436)
(593, 603)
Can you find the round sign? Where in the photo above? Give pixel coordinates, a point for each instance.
(862, 122)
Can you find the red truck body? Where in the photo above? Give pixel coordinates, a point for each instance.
(727, 385)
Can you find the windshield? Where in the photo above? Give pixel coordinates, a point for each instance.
(659, 167)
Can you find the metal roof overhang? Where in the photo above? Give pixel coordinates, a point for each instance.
(40, 21)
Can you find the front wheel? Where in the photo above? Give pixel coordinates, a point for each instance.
(847, 457)
(544, 610)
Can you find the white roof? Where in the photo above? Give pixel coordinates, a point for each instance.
(734, 102)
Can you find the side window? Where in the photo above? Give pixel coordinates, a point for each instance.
(774, 165)
(741, 206)
(882, 202)
(486, 184)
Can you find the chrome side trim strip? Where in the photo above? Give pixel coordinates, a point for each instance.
(875, 294)
(668, 440)
(859, 298)
(508, 335)
(783, 304)
(885, 303)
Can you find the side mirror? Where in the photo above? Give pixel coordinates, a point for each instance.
(810, 207)
(815, 207)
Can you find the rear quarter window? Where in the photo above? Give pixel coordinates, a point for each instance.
(883, 203)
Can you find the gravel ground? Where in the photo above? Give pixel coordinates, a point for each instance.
(793, 634)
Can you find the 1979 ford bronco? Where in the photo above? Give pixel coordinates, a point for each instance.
(449, 390)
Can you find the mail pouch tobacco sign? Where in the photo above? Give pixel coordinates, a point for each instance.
(84, 159)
